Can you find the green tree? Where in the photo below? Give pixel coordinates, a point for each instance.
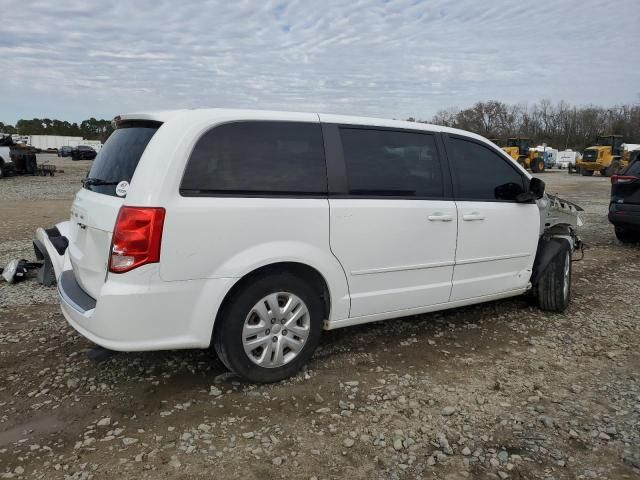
(6, 128)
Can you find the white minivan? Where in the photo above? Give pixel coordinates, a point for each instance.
(253, 231)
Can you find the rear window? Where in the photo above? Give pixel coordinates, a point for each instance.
(257, 158)
(119, 157)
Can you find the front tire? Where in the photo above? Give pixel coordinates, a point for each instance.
(270, 328)
(586, 173)
(554, 286)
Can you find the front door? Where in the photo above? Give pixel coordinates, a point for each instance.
(497, 236)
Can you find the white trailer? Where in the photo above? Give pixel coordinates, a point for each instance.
(46, 142)
(566, 158)
(631, 147)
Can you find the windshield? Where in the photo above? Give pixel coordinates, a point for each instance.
(590, 155)
(119, 157)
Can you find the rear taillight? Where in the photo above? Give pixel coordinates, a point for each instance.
(136, 238)
(615, 179)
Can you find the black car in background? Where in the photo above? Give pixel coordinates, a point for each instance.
(65, 151)
(83, 152)
(624, 209)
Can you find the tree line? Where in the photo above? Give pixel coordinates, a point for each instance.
(90, 129)
(559, 125)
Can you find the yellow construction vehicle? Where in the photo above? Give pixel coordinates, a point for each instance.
(518, 149)
(630, 151)
(604, 157)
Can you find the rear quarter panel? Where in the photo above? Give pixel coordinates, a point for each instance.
(223, 237)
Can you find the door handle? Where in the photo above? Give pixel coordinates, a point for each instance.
(471, 217)
(439, 217)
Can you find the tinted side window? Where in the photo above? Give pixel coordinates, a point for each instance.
(258, 158)
(393, 163)
(482, 174)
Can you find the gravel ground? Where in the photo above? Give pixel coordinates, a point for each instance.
(27, 203)
(494, 391)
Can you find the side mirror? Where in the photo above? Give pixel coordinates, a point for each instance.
(535, 192)
(536, 187)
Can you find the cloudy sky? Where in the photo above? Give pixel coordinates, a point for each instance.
(72, 59)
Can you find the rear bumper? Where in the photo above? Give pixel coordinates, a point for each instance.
(52, 242)
(72, 295)
(139, 312)
(625, 215)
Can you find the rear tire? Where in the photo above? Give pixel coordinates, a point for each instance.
(626, 236)
(554, 286)
(586, 173)
(249, 314)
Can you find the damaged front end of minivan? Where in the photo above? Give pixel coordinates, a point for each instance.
(557, 246)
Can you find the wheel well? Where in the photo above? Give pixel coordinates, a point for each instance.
(309, 274)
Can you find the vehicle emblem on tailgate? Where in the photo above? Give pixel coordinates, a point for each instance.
(122, 188)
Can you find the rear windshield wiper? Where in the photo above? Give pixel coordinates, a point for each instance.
(87, 182)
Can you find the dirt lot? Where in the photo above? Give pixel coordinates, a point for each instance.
(500, 390)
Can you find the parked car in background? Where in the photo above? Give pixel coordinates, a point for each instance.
(7, 167)
(624, 208)
(65, 151)
(83, 152)
(258, 230)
